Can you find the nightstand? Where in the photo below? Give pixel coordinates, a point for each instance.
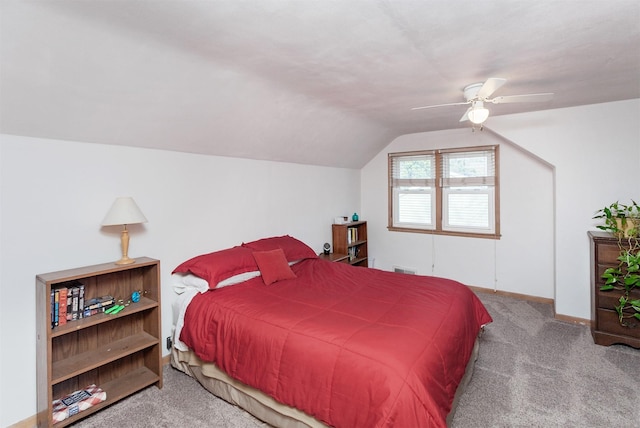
(335, 257)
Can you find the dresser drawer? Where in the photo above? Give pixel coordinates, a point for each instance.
(608, 321)
(600, 270)
(609, 299)
(607, 254)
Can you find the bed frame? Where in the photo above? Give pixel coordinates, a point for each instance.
(263, 406)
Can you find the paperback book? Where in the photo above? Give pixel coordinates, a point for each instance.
(68, 304)
(76, 402)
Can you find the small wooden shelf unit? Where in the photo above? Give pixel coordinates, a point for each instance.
(119, 353)
(350, 239)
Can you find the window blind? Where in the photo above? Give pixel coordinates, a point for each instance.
(413, 188)
(468, 182)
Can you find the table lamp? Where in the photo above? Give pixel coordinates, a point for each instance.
(124, 211)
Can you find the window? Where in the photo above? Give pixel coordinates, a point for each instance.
(445, 191)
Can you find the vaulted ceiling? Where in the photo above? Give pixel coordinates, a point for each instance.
(325, 82)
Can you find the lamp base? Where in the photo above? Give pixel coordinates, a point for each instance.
(125, 261)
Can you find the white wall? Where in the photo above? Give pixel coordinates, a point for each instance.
(521, 261)
(595, 151)
(54, 195)
(557, 168)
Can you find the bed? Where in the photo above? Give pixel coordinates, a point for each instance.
(299, 341)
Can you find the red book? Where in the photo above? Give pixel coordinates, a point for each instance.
(62, 307)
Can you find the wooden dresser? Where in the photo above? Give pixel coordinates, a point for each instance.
(605, 326)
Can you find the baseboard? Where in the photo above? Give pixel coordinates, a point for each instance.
(514, 295)
(27, 423)
(559, 317)
(572, 320)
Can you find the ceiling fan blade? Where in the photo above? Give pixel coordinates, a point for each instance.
(522, 98)
(490, 86)
(465, 116)
(442, 105)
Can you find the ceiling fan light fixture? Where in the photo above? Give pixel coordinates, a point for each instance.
(479, 93)
(478, 114)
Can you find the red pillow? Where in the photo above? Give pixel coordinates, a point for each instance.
(220, 265)
(294, 250)
(273, 266)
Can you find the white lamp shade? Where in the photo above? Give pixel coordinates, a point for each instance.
(124, 211)
(478, 115)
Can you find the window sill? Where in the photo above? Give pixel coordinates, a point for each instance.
(445, 232)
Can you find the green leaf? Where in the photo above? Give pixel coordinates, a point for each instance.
(637, 316)
(632, 280)
(607, 288)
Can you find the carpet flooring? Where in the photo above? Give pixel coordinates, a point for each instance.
(532, 371)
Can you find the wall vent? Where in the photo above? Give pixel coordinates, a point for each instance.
(408, 271)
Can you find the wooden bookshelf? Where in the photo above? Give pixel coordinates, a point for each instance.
(119, 353)
(351, 239)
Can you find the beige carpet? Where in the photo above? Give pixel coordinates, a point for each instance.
(533, 371)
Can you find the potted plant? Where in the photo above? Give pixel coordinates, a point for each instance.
(623, 221)
(620, 219)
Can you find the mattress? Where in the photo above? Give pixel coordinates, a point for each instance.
(265, 407)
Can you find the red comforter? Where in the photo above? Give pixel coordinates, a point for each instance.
(353, 347)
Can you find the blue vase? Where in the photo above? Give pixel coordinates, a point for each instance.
(354, 217)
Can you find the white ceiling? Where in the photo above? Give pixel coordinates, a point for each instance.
(309, 81)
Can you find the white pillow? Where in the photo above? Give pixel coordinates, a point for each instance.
(236, 279)
(183, 282)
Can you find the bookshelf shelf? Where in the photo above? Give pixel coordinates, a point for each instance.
(117, 389)
(86, 361)
(121, 353)
(143, 305)
(351, 239)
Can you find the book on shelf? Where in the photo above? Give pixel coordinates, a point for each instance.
(68, 304)
(77, 300)
(81, 301)
(353, 253)
(56, 306)
(76, 402)
(52, 300)
(352, 234)
(75, 293)
(62, 306)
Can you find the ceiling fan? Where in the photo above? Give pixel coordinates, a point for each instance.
(478, 94)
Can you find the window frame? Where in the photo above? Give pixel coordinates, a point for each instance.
(439, 228)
